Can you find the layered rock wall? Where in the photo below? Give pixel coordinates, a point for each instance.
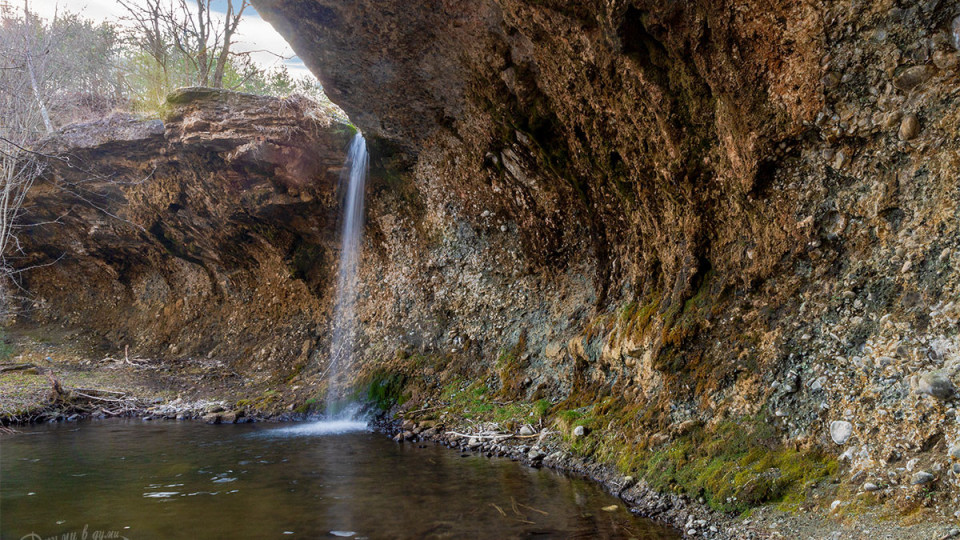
(712, 208)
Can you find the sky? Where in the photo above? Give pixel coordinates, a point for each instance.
(253, 34)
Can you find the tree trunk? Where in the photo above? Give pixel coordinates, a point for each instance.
(230, 26)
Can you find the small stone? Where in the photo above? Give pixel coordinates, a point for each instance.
(611, 508)
(211, 418)
(579, 431)
(791, 382)
(945, 60)
(936, 384)
(229, 418)
(909, 127)
(956, 33)
(922, 477)
(408, 435)
(840, 431)
(398, 437)
(691, 532)
(834, 505)
(830, 80)
(913, 77)
(840, 160)
(954, 451)
(535, 454)
(527, 430)
(870, 486)
(892, 119)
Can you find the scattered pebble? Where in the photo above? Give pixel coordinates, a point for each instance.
(921, 477)
(909, 127)
(956, 33)
(840, 431)
(913, 77)
(935, 384)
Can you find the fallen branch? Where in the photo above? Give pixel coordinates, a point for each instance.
(534, 509)
(98, 391)
(16, 367)
(97, 398)
(421, 410)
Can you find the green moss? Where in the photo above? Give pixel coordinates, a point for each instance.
(541, 407)
(266, 401)
(476, 401)
(510, 369)
(384, 389)
(311, 405)
(734, 466)
(635, 317)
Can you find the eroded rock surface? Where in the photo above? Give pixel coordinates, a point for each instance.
(209, 233)
(674, 204)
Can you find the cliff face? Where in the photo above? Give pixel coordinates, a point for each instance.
(695, 212)
(201, 235)
(704, 209)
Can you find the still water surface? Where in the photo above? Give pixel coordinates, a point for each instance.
(143, 480)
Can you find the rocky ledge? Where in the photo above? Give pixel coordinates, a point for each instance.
(204, 234)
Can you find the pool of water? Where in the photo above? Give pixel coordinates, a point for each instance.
(145, 480)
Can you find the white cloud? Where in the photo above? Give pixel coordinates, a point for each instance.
(253, 34)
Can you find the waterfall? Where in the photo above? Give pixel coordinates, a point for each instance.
(344, 312)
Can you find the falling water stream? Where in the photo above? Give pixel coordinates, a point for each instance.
(344, 313)
(335, 478)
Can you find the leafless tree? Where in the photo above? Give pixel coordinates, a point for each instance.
(176, 28)
(42, 64)
(22, 113)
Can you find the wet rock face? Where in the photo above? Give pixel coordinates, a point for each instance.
(683, 199)
(207, 233)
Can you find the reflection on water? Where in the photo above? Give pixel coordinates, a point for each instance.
(142, 480)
